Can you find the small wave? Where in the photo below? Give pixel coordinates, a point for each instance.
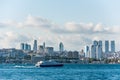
(24, 66)
(19, 66)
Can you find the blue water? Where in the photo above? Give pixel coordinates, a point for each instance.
(68, 72)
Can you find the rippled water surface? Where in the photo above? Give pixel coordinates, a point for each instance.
(68, 72)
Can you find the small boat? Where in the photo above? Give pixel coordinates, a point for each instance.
(49, 63)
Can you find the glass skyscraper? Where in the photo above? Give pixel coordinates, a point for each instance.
(112, 46)
(44, 47)
(95, 43)
(99, 52)
(96, 49)
(93, 52)
(61, 47)
(87, 51)
(100, 43)
(22, 46)
(106, 46)
(35, 46)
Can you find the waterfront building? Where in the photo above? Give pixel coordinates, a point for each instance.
(49, 50)
(106, 46)
(69, 55)
(41, 49)
(22, 46)
(112, 46)
(95, 43)
(12, 53)
(73, 54)
(25, 46)
(29, 47)
(99, 52)
(93, 52)
(61, 47)
(82, 54)
(100, 42)
(87, 51)
(44, 47)
(35, 46)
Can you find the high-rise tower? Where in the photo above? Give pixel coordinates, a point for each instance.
(35, 46)
(106, 46)
(93, 51)
(87, 51)
(22, 46)
(112, 46)
(61, 47)
(99, 50)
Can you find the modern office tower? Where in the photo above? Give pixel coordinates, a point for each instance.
(82, 53)
(69, 54)
(95, 43)
(22, 46)
(49, 50)
(44, 47)
(41, 49)
(100, 42)
(112, 46)
(87, 51)
(26, 46)
(106, 46)
(73, 55)
(35, 46)
(99, 52)
(61, 47)
(29, 47)
(93, 51)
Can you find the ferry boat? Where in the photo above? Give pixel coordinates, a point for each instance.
(49, 63)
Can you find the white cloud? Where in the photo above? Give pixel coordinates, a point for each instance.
(30, 21)
(69, 27)
(98, 28)
(72, 27)
(37, 22)
(11, 39)
(115, 29)
(86, 28)
(73, 35)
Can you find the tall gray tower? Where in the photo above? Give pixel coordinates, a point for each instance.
(106, 46)
(112, 46)
(61, 47)
(35, 46)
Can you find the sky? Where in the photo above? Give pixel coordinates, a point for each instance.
(75, 23)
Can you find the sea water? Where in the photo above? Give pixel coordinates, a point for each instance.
(67, 72)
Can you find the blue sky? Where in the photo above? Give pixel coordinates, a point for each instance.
(61, 18)
(61, 11)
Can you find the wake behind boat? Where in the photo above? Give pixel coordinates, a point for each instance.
(49, 63)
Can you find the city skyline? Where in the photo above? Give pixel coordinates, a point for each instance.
(75, 23)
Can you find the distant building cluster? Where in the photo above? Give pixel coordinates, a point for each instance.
(96, 49)
(11, 55)
(25, 46)
(41, 49)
